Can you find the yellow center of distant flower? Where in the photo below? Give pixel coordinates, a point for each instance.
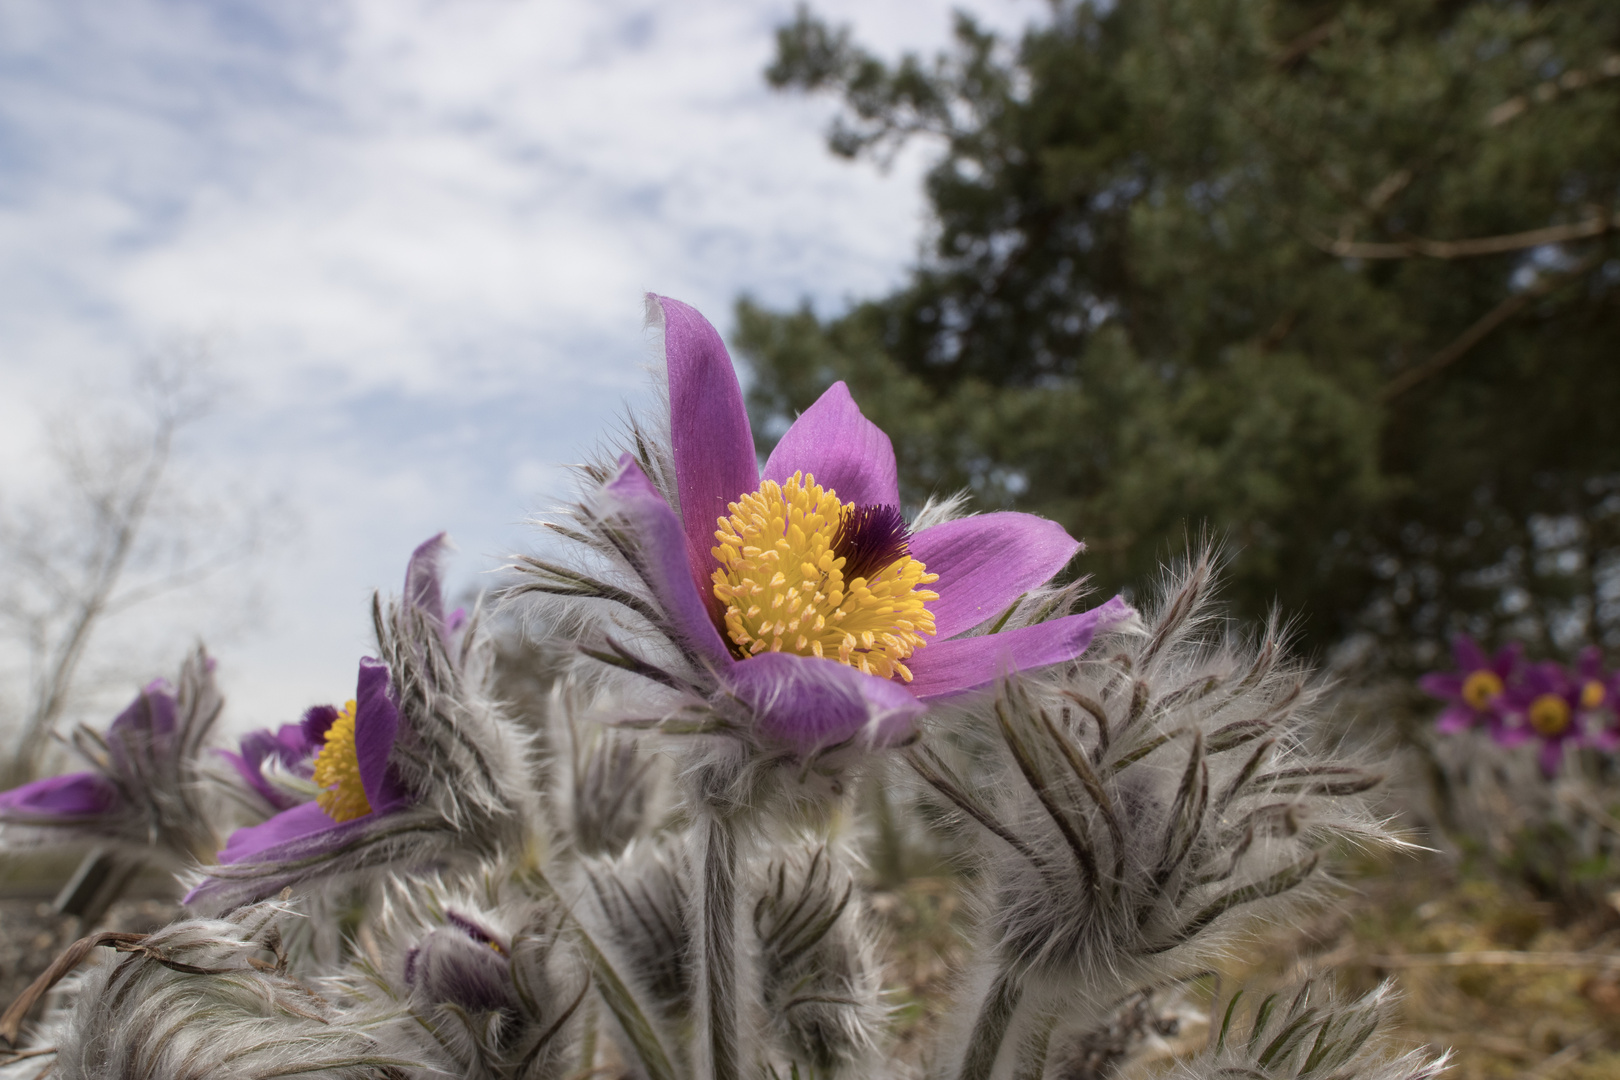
(803, 572)
(1481, 688)
(1593, 694)
(337, 769)
(1549, 715)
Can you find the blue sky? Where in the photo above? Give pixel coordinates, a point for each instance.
(416, 235)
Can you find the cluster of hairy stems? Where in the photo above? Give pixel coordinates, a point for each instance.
(642, 889)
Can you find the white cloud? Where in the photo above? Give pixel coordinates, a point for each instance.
(420, 231)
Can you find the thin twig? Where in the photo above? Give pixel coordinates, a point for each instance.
(1472, 248)
(1482, 329)
(1492, 958)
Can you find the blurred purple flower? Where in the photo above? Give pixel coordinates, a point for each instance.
(145, 728)
(815, 560)
(420, 768)
(143, 783)
(365, 791)
(1475, 691)
(351, 756)
(1558, 708)
(60, 799)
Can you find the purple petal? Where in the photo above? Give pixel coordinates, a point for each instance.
(422, 579)
(145, 727)
(376, 725)
(293, 744)
(843, 449)
(1547, 677)
(1506, 662)
(160, 700)
(290, 745)
(955, 667)
(247, 766)
(1552, 756)
(807, 703)
(1511, 736)
(1444, 685)
(1466, 651)
(984, 563)
(660, 560)
(1454, 719)
(709, 434)
(1589, 665)
(317, 720)
(80, 794)
(304, 820)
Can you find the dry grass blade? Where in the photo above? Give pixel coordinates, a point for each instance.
(72, 957)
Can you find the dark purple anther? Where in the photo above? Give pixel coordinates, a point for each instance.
(870, 539)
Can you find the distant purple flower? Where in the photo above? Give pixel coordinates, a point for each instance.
(363, 788)
(352, 749)
(1474, 692)
(1558, 708)
(818, 610)
(1595, 703)
(142, 784)
(1597, 686)
(419, 768)
(144, 728)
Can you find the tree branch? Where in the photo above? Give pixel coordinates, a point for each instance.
(1469, 249)
(1482, 329)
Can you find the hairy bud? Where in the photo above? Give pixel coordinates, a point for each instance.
(1310, 1036)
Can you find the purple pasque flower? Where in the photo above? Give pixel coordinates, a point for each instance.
(416, 766)
(1557, 708)
(354, 745)
(1474, 692)
(799, 588)
(148, 721)
(1596, 703)
(349, 747)
(144, 781)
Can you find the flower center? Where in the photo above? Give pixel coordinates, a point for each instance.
(1481, 688)
(803, 572)
(337, 769)
(1549, 715)
(1593, 694)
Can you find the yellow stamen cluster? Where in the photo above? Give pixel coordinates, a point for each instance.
(783, 584)
(1481, 688)
(337, 769)
(1549, 715)
(1593, 694)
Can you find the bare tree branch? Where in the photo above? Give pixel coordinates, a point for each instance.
(1469, 249)
(1552, 89)
(1482, 328)
(111, 530)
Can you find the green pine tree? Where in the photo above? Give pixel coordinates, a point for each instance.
(1336, 279)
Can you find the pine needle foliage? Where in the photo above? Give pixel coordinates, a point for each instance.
(1337, 278)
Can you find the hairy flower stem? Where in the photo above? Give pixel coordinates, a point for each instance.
(990, 1028)
(719, 947)
(1033, 1047)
